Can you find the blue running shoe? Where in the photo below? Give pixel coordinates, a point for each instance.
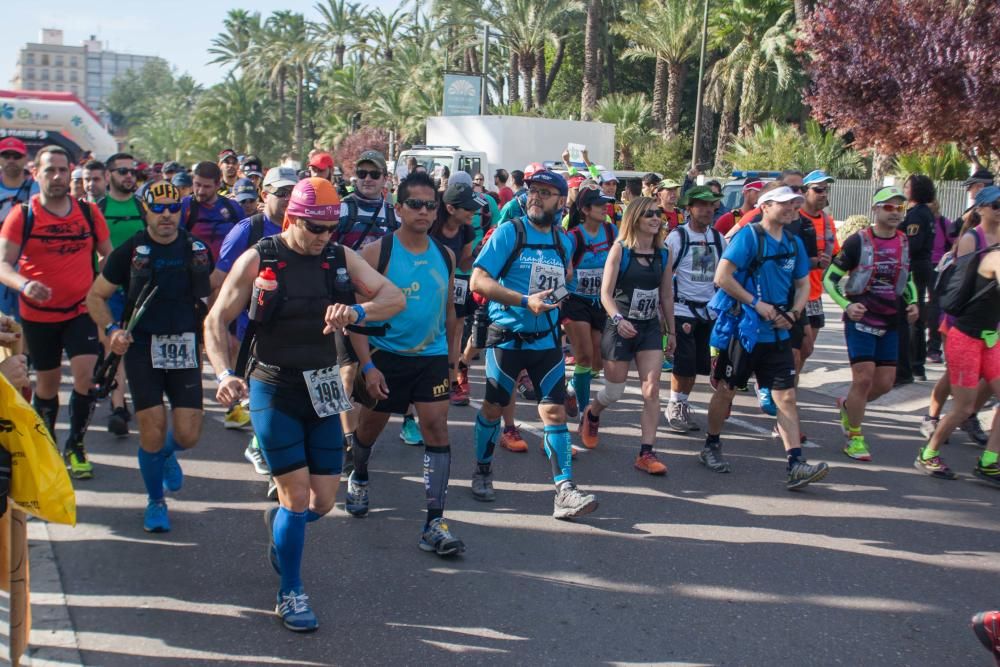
(295, 612)
(155, 520)
(410, 433)
(766, 401)
(272, 550)
(356, 502)
(173, 476)
(668, 365)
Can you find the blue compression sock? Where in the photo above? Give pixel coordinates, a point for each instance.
(486, 438)
(151, 468)
(289, 538)
(312, 516)
(581, 385)
(560, 453)
(170, 446)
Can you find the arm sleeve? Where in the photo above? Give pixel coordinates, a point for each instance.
(595, 173)
(831, 283)
(910, 293)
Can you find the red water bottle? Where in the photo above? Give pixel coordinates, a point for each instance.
(265, 292)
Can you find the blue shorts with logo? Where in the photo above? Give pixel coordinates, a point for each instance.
(864, 346)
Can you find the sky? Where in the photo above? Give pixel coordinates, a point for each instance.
(180, 31)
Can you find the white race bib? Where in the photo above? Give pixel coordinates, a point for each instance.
(326, 390)
(588, 281)
(461, 290)
(175, 351)
(545, 276)
(644, 303)
(814, 308)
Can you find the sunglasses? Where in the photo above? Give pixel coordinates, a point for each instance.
(11, 155)
(282, 193)
(230, 160)
(417, 204)
(797, 188)
(313, 228)
(651, 213)
(892, 208)
(373, 174)
(160, 208)
(820, 190)
(124, 171)
(995, 205)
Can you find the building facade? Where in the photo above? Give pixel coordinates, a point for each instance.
(87, 71)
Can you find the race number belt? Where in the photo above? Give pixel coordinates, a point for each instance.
(814, 308)
(874, 331)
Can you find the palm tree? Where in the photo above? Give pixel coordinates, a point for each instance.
(591, 74)
(338, 21)
(631, 115)
(385, 31)
(232, 46)
(665, 31)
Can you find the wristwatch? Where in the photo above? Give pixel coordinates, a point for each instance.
(111, 328)
(616, 318)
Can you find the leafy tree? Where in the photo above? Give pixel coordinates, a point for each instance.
(133, 93)
(944, 163)
(773, 146)
(901, 75)
(632, 116)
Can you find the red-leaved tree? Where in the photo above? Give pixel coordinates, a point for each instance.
(347, 151)
(903, 75)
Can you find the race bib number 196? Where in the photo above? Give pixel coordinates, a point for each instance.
(546, 276)
(174, 352)
(326, 390)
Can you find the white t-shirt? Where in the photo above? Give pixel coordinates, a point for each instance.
(695, 275)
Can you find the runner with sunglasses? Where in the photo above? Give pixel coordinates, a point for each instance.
(972, 347)
(637, 294)
(278, 184)
(294, 385)
(878, 289)
(162, 353)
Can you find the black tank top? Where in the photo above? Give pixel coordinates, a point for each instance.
(462, 237)
(637, 288)
(292, 341)
(981, 314)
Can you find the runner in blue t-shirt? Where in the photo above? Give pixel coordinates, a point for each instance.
(522, 266)
(773, 280)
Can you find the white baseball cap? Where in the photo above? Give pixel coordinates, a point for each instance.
(780, 195)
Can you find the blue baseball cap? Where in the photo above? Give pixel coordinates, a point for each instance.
(987, 196)
(550, 178)
(182, 180)
(816, 177)
(244, 190)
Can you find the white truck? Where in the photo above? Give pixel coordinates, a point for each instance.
(484, 144)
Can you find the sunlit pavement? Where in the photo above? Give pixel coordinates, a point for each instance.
(877, 565)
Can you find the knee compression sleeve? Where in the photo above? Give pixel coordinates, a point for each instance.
(560, 452)
(486, 434)
(613, 391)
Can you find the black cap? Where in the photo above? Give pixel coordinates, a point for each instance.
(984, 176)
(591, 196)
(463, 196)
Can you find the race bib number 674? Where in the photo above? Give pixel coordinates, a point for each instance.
(326, 390)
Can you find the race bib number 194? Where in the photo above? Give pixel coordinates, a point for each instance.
(326, 390)
(174, 352)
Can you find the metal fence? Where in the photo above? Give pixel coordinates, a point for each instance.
(854, 197)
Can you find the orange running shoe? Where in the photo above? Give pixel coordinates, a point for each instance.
(463, 377)
(512, 441)
(588, 429)
(647, 462)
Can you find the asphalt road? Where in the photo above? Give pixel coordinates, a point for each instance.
(877, 565)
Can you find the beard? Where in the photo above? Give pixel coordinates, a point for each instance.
(542, 219)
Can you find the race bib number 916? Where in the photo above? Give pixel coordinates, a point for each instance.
(174, 352)
(326, 390)
(588, 281)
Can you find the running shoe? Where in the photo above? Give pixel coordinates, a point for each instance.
(767, 402)
(975, 431)
(463, 377)
(934, 357)
(928, 426)
(934, 466)
(989, 474)
(857, 448)
(647, 462)
(802, 474)
(356, 501)
(272, 549)
(173, 476)
(437, 538)
(668, 365)
(570, 360)
(155, 520)
(686, 413)
(711, 457)
(845, 423)
(457, 395)
(986, 625)
(410, 433)
(572, 407)
(76, 460)
(482, 486)
(675, 417)
(118, 422)
(272, 489)
(589, 429)
(570, 502)
(238, 416)
(512, 441)
(525, 387)
(294, 610)
(255, 457)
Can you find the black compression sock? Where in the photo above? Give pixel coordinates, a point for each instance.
(437, 470)
(81, 407)
(645, 448)
(592, 417)
(712, 439)
(794, 454)
(362, 453)
(48, 410)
